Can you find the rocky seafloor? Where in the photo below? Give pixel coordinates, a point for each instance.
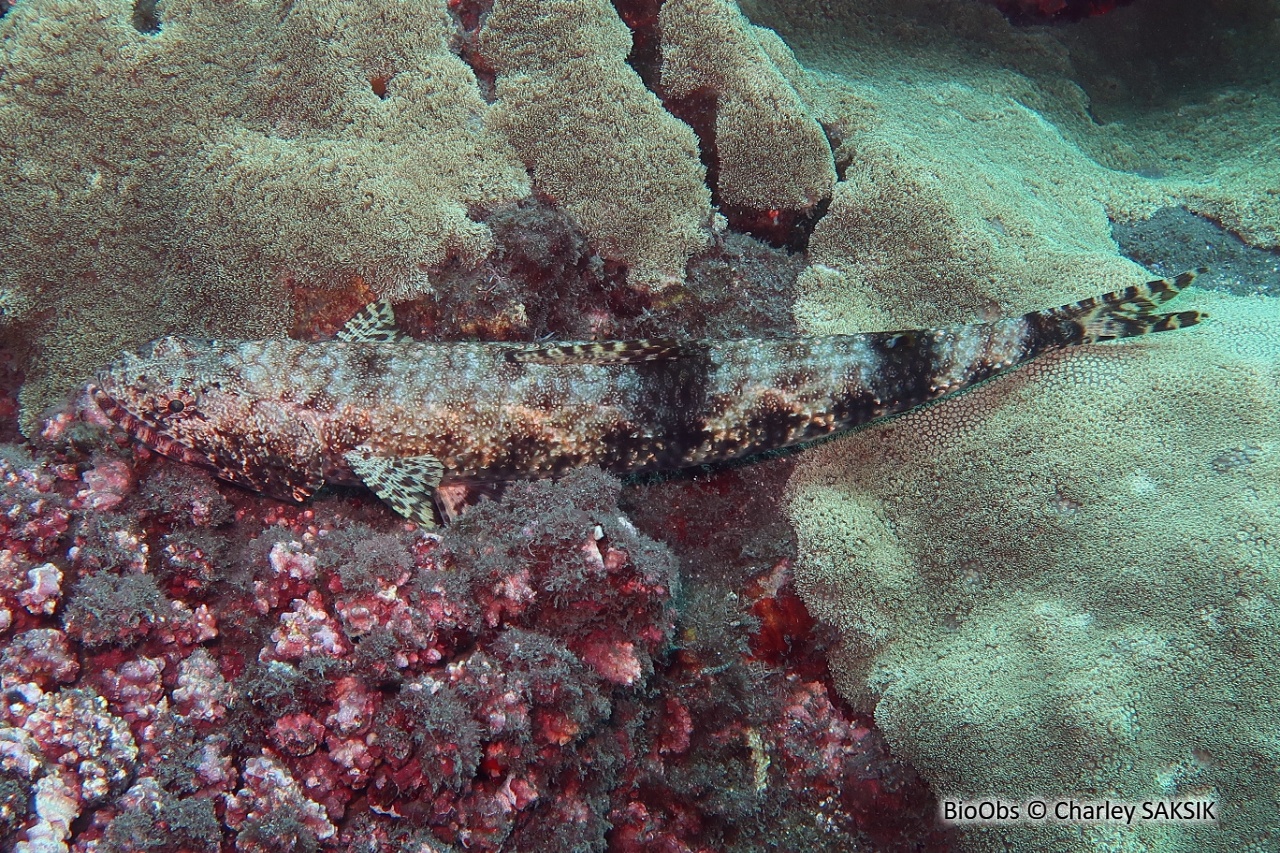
(189, 667)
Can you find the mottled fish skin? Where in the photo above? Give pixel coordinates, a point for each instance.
(283, 417)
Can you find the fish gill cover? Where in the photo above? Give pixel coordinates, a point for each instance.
(1060, 584)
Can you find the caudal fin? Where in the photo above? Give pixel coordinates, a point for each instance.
(1122, 314)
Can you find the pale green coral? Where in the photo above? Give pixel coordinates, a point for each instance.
(587, 128)
(1065, 581)
(195, 177)
(185, 179)
(1181, 94)
(770, 147)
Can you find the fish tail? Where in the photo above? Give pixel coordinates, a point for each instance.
(1121, 314)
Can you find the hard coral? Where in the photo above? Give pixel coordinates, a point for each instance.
(40, 656)
(76, 733)
(344, 143)
(353, 152)
(33, 514)
(710, 50)
(583, 143)
(1093, 610)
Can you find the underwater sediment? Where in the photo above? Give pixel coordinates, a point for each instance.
(1061, 584)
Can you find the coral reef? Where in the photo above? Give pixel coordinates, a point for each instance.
(1036, 602)
(348, 154)
(583, 143)
(209, 670)
(1029, 581)
(1175, 101)
(190, 667)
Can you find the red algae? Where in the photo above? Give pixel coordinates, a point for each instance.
(192, 667)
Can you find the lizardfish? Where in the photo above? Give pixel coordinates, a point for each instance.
(284, 417)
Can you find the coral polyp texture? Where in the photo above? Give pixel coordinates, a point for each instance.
(1067, 613)
(607, 152)
(221, 186)
(1058, 585)
(333, 149)
(711, 51)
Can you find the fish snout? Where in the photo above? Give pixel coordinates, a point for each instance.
(107, 404)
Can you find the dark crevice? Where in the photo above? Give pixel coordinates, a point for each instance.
(1028, 12)
(645, 58)
(4, 7)
(469, 17)
(470, 13)
(783, 229)
(835, 134)
(1175, 239)
(698, 110)
(145, 17)
(379, 85)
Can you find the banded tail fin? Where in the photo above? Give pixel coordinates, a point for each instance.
(1122, 314)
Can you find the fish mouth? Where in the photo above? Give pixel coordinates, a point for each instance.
(145, 433)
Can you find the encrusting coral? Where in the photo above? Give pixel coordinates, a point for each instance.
(1055, 585)
(1063, 583)
(596, 141)
(710, 49)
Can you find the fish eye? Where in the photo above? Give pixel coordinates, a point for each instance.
(178, 404)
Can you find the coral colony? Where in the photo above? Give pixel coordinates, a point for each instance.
(791, 653)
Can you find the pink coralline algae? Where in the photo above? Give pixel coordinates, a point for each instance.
(190, 667)
(270, 790)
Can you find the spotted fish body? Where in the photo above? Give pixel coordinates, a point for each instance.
(284, 417)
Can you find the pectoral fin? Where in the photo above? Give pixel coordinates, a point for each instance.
(406, 483)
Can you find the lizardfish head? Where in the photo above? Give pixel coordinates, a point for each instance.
(199, 402)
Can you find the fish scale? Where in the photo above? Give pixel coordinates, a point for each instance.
(404, 417)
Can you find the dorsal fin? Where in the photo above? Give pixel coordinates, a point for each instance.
(375, 323)
(602, 352)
